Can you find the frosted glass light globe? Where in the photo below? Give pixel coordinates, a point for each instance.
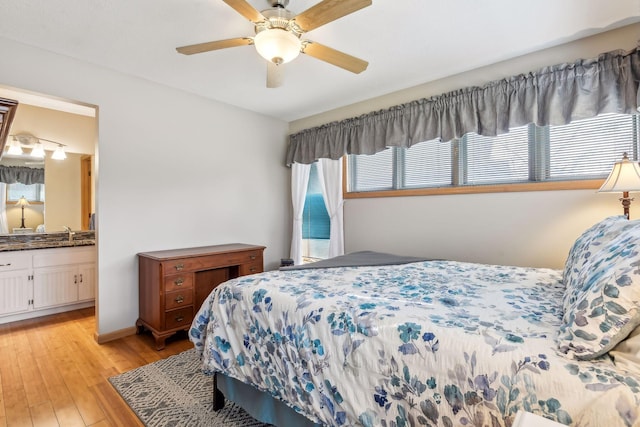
(277, 45)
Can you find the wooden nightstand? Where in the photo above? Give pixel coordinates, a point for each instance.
(173, 284)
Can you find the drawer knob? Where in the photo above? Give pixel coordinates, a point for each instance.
(5, 265)
(179, 318)
(179, 267)
(179, 281)
(252, 269)
(252, 257)
(179, 299)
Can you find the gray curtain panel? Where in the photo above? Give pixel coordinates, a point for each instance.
(553, 95)
(21, 174)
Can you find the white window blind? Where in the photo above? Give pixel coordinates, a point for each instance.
(372, 172)
(428, 164)
(589, 148)
(503, 158)
(584, 149)
(33, 192)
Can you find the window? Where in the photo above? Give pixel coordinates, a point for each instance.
(315, 221)
(33, 192)
(582, 150)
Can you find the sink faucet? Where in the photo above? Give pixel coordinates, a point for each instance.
(71, 233)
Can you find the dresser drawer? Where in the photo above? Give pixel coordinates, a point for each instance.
(177, 266)
(178, 299)
(251, 257)
(252, 268)
(177, 282)
(178, 318)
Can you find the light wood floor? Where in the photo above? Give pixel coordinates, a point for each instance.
(53, 373)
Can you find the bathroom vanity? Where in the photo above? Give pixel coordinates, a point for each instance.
(42, 275)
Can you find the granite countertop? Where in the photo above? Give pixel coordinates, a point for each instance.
(22, 242)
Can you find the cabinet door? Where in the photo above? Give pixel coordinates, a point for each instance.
(15, 291)
(54, 286)
(86, 281)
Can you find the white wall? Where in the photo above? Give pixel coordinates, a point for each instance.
(529, 228)
(62, 193)
(173, 170)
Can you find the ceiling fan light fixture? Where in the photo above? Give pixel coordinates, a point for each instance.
(277, 45)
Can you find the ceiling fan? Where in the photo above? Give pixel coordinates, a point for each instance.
(278, 35)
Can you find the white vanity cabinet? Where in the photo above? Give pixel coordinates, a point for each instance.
(15, 290)
(46, 281)
(59, 276)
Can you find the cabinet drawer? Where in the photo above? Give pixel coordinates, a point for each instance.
(179, 317)
(63, 256)
(177, 299)
(177, 266)
(179, 281)
(14, 261)
(251, 257)
(251, 268)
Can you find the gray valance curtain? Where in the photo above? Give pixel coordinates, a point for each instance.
(553, 95)
(21, 174)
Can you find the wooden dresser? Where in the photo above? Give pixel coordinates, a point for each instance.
(173, 284)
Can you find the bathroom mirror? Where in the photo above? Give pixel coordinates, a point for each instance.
(69, 186)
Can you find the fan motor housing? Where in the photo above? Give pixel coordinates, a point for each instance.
(279, 3)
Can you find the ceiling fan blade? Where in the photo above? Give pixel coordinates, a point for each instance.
(327, 11)
(246, 10)
(275, 75)
(334, 57)
(220, 44)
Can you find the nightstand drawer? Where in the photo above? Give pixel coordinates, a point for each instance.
(177, 318)
(177, 299)
(177, 282)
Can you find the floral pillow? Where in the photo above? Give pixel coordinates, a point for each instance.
(580, 253)
(603, 304)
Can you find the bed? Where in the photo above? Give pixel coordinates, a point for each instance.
(376, 340)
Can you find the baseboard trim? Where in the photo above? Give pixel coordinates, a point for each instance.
(112, 336)
(33, 313)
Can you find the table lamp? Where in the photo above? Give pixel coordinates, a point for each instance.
(624, 177)
(22, 202)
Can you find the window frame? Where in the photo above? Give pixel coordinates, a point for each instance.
(537, 154)
(39, 192)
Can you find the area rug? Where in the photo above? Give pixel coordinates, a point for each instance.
(173, 392)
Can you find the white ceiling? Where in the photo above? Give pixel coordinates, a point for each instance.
(406, 42)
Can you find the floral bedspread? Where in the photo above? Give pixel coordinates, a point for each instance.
(436, 343)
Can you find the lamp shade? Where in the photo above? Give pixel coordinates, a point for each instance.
(624, 177)
(37, 150)
(14, 147)
(277, 45)
(59, 153)
(22, 201)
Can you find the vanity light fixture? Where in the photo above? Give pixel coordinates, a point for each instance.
(35, 145)
(59, 153)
